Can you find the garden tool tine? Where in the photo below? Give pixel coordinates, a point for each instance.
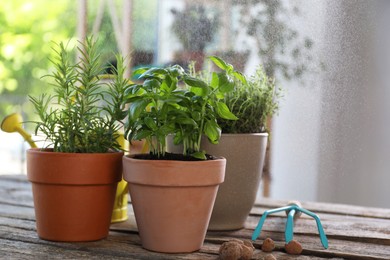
(289, 233)
(257, 231)
(324, 239)
(293, 211)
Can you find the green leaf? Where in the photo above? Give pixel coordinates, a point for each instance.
(136, 108)
(169, 84)
(132, 90)
(195, 115)
(194, 82)
(230, 68)
(132, 99)
(164, 86)
(199, 92)
(219, 62)
(167, 129)
(241, 77)
(141, 134)
(199, 155)
(214, 80)
(176, 70)
(224, 112)
(151, 84)
(183, 101)
(186, 121)
(140, 71)
(153, 72)
(178, 138)
(212, 131)
(149, 122)
(226, 84)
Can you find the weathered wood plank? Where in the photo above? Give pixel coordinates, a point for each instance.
(15, 177)
(115, 246)
(343, 228)
(15, 190)
(24, 242)
(209, 247)
(354, 232)
(333, 208)
(17, 212)
(311, 244)
(24, 230)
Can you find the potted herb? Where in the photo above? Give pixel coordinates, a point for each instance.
(74, 177)
(243, 143)
(173, 194)
(194, 27)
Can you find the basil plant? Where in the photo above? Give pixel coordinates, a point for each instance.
(171, 101)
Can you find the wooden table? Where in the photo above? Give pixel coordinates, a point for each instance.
(353, 233)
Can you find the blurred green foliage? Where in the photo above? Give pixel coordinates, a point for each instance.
(27, 29)
(145, 15)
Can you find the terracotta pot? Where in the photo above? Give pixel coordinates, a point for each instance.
(244, 155)
(73, 193)
(173, 200)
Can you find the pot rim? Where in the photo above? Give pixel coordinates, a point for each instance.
(173, 173)
(131, 156)
(73, 168)
(51, 152)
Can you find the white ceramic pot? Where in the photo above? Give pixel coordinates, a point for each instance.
(244, 155)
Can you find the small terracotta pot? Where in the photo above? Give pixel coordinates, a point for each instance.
(73, 193)
(173, 200)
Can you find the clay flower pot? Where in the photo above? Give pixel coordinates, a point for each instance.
(73, 193)
(173, 200)
(244, 155)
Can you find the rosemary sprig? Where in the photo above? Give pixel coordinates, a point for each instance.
(84, 114)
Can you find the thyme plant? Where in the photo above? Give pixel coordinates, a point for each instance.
(253, 102)
(160, 106)
(83, 114)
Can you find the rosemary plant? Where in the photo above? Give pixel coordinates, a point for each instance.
(84, 114)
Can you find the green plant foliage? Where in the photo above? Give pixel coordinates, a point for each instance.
(160, 107)
(26, 30)
(82, 116)
(253, 102)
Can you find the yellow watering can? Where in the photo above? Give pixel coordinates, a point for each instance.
(13, 123)
(119, 213)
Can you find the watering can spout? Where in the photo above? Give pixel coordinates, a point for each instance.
(12, 124)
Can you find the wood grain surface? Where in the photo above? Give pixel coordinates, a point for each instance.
(353, 232)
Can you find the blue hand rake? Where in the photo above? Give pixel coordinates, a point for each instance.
(293, 210)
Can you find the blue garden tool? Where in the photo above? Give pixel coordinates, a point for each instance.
(293, 211)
